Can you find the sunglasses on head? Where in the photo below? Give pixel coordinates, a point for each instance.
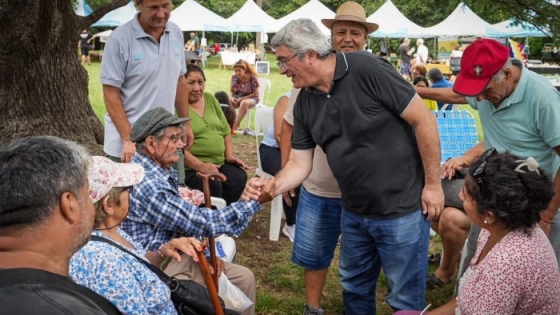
(479, 170)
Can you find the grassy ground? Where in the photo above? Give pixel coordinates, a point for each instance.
(279, 282)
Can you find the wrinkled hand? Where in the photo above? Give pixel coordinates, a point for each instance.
(188, 136)
(256, 189)
(129, 148)
(449, 168)
(432, 201)
(183, 245)
(237, 161)
(287, 196)
(208, 168)
(235, 102)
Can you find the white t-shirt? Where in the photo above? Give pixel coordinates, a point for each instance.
(422, 54)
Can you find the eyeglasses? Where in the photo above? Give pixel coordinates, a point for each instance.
(175, 137)
(477, 172)
(284, 63)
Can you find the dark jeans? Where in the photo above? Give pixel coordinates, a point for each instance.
(271, 162)
(230, 191)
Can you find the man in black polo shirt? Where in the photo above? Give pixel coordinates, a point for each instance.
(382, 145)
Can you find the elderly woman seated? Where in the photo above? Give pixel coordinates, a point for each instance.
(129, 284)
(212, 150)
(514, 270)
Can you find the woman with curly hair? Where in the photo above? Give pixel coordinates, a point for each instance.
(514, 270)
(244, 90)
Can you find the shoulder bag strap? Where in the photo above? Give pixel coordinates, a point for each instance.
(153, 268)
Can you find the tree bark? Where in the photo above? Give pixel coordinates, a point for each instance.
(43, 87)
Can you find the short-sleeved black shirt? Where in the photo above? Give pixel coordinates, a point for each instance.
(403, 51)
(370, 149)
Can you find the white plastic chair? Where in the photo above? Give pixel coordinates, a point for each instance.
(264, 119)
(264, 85)
(225, 245)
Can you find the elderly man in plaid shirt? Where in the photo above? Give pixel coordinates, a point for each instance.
(158, 214)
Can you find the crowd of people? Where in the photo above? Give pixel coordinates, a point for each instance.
(353, 149)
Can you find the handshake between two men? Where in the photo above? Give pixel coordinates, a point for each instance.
(259, 188)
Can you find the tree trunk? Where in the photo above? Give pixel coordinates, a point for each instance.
(43, 87)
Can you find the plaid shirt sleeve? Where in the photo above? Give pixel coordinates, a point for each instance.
(156, 201)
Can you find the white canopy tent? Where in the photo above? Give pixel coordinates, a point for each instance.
(509, 28)
(118, 16)
(314, 10)
(251, 18)
(461, 22)
(392, 23)
(192, 16)
(81, 8)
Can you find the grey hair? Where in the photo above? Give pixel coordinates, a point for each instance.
(420, 40)
(34, 173)
(301, 36)
(500, 75)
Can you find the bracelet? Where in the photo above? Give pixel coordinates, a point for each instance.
(160, 253)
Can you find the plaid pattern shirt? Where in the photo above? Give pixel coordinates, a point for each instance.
(158, 214)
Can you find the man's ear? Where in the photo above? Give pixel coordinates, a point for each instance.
(69, 207)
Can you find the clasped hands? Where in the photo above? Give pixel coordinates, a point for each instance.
(260, 189)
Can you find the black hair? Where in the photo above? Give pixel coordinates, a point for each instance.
(516, 197)
(191, 67)
(229, 111)
(421, 78)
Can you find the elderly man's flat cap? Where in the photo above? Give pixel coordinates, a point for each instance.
(152, 121)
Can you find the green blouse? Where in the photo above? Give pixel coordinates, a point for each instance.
(209, 131)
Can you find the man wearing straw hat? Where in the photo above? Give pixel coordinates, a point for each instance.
(382, 146)
(320, 205)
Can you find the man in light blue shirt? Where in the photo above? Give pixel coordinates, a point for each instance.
(143, 67)
(519, 112)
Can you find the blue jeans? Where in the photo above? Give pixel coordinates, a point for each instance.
(318, 228)
(399, 245)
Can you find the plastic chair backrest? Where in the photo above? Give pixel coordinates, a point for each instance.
(264, 119)
(264, 85)
(457, 132)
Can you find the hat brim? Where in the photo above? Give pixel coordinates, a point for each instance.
(470, 87)
(113, 175)
(370, 27)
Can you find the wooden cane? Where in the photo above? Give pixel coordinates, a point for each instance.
(208, 201)
(212, 288)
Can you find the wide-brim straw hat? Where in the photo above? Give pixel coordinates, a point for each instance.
(351, 11)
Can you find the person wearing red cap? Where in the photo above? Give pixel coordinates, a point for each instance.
(519, 112)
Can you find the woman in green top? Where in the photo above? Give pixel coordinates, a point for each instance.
(212, 150)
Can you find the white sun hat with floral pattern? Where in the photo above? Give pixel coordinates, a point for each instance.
(104, 174)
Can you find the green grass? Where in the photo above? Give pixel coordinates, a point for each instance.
(280, 286)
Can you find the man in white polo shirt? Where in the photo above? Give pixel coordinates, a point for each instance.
(143, 67)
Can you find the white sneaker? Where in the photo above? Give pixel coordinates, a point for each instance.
(289, 231)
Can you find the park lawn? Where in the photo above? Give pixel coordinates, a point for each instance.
(280, 285)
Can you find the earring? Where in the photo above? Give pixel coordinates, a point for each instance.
(485, 221)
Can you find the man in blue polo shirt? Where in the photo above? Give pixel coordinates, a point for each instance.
(143, 67)
(382, 146)
(519, 112)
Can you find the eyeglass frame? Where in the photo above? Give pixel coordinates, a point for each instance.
(477, 172)
(175, 137)
(284, 64)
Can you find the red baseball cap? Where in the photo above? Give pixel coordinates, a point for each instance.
(480, 62)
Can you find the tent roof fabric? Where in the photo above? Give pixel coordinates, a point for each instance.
(251, 18)
(118, 16)
(81, 8)
(314, 10)
(392, 23)
(192, 16)
(508, 28)
(461, 22)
